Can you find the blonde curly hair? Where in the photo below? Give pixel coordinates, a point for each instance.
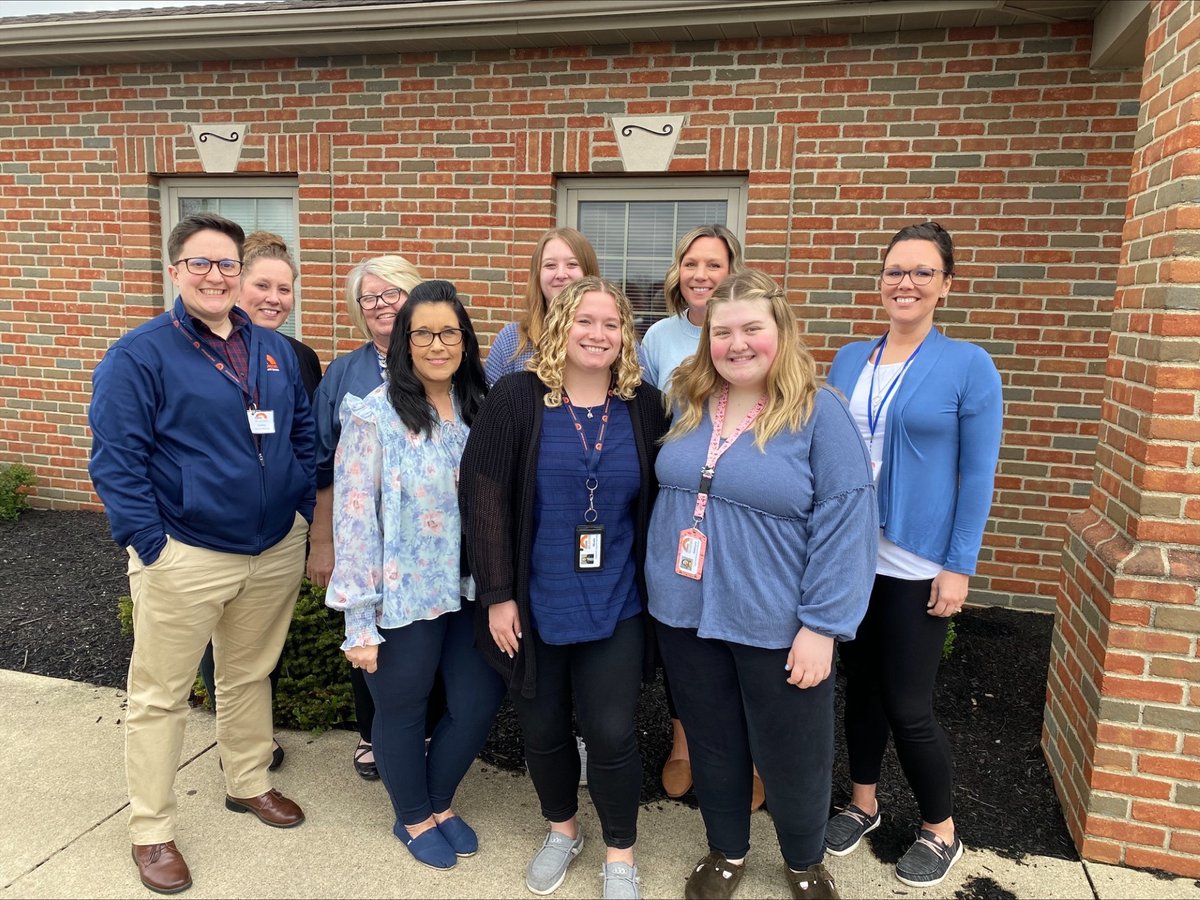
(791, 382)
(550, 358)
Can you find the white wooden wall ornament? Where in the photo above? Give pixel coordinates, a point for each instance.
(219, 146)
(647, 143)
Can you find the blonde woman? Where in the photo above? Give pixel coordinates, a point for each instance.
(557, 482)
(760, 558)
(562, 256)
(375, 291)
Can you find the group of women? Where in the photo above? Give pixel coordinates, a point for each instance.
(587, 508)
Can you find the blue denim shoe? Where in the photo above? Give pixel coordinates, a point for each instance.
(460, 836)
(429, 848)
(620, 881)
(928, 860)
(548, 867)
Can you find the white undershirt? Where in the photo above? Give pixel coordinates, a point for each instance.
(893, 561)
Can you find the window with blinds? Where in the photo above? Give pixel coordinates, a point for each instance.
(634, 225)
(267, 204)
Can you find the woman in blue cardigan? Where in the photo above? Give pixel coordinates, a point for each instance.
(930, 411)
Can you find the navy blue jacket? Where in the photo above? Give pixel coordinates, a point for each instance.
(172, 451)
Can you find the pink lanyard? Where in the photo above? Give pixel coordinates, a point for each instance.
(716, 450)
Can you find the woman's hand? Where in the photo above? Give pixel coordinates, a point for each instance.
(810, 660)
(948, 594)
(505, 626)
(365, 658)
(320, 562)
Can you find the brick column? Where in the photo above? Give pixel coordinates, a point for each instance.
(1122, 724)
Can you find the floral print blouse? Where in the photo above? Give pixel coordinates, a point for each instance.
(396, 526)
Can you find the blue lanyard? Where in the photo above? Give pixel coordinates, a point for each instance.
(873, 421)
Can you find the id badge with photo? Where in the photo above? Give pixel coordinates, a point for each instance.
(589, 548)
(689, 560)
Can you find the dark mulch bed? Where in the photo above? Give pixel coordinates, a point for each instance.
(59, 618)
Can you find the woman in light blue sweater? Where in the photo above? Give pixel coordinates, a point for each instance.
(760, 557)
(930, 411)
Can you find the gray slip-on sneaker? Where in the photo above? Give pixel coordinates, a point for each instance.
(620, 882)
(548, 867)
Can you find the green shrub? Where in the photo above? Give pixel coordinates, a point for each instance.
(948, 646)
(314, 684)
(16, 483)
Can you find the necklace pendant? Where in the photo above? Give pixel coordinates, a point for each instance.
(590, 416)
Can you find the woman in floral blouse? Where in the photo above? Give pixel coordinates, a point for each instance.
(398, 576)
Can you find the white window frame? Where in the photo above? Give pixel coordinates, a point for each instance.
(172, 190)
(730, 188)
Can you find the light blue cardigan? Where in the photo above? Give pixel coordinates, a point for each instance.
(940, 448)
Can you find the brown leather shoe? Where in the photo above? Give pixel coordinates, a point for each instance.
(677, 777)
(814, 883)
(162, 868)
(272, 808)
(713, 878)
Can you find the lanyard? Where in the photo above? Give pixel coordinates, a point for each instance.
(873, 420)
(591, 455)
(716, 450)
(224, 368)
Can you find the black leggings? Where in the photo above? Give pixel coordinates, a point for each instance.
(891, 667)
(603, 679)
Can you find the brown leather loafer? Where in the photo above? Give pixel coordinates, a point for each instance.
(713, 878)
(814, 883)
(677, 777)
(272, 808)
(162, 868)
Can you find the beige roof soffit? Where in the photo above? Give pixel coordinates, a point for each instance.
(1119, 34)
(233, 33)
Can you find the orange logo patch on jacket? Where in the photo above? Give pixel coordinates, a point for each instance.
(272, 366)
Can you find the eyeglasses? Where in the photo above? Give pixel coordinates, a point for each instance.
(423, 337)
(920, 275)
(200, 265)
(390, 297)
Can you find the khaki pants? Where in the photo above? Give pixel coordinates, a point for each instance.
(187, 597)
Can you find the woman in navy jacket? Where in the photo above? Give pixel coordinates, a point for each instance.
(930, 411)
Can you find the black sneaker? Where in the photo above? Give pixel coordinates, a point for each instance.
(845, 830)
(928, 860)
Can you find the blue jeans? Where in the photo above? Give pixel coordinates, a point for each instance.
(409, 659)
(736, 706)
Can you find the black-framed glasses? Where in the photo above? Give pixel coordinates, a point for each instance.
(200, 265)
(390, 297)
(423, 337)
(921, 275)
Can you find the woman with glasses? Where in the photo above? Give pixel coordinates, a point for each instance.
(558, 478)
(930, 412)
(398, 576)
(268, 279)
(375, 292)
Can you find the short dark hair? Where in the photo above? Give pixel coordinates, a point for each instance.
(405, 390)
(203, 222)
(927, 231)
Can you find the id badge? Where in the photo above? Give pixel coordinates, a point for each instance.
(875, 468)
(589, 548)
(689, 561)
(262, 421)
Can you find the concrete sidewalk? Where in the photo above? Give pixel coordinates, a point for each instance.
(63, 834)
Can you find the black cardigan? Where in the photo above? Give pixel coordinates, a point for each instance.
(496, 491)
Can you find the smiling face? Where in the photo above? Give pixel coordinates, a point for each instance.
(267, 292)
(594, 339)
(207, 297)
(743, 341)
(380, 319)
(436, 364)
(560, 267)
(705, 265)
(909, 306)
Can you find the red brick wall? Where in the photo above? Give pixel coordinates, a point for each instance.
(1003, 135)
(1121, 715)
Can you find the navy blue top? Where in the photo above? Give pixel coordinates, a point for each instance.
(570, 607)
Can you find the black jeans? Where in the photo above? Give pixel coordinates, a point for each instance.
(603, 677)
(736, 706)
(891, 667)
